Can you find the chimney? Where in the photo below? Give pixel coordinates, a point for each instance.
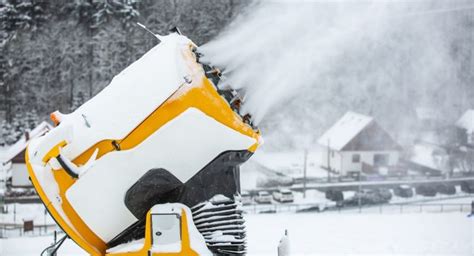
(27, 135)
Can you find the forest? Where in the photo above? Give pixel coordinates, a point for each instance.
(57, 54)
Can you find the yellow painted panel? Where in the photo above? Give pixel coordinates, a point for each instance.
(54, 152)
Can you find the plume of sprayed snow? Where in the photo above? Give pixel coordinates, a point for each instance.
(333, 56)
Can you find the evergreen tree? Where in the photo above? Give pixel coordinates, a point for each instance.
(8, 21)
(12, 132)
(77, 101)
(8, 134)
(31, 120)
(17, 129)
(3, 133)
(124, 10)
(20, 14)
(81, 10)
(3, 76)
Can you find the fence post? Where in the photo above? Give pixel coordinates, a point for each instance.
(460, 207)
(380, 209)
(442, 208)
(421, 208)
(401, 208)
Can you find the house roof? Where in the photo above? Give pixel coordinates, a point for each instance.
(356, 132)
(467, 120)
(21, 144)
(344, 130)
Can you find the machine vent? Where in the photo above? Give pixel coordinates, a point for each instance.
(221, 223)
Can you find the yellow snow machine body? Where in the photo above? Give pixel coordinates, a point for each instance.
(161, 132)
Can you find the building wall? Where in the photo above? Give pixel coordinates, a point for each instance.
(334, 160)
(465, 137)
(20, 177)
(341, 161)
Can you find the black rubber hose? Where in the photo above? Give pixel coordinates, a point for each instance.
(55, 246)
(66, 168)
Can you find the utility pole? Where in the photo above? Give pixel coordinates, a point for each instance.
(45, 213)
(359, 195)
(329, 162)
(305, 163)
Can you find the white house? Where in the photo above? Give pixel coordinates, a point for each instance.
(14, 157)
(357, 143)
(465, 127)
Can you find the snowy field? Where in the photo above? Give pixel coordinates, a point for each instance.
(363, 234)
(291, 163)
(329, 234)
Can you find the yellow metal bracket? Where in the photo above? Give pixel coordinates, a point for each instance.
(54, 152)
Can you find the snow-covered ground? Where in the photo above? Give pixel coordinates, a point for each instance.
(282, 166)
(363, 234)
(291, 163)
(328, 234)
(26, 246)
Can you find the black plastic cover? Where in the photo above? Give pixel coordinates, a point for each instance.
(157, 186)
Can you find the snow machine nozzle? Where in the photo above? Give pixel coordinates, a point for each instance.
(231, 95)
(173, 137)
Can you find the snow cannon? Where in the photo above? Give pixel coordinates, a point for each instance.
(161, 132)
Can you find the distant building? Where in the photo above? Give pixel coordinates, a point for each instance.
(465, 129)
(428, 159)
(357, 143)
(14, 156)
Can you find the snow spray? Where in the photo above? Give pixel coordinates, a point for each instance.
(307, 62)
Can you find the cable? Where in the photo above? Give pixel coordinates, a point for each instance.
(55, 246)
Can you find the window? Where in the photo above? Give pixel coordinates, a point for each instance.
(381, 159)
(356, 158)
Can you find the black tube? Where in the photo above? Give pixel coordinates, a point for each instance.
(56, 246)
(66, 168)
